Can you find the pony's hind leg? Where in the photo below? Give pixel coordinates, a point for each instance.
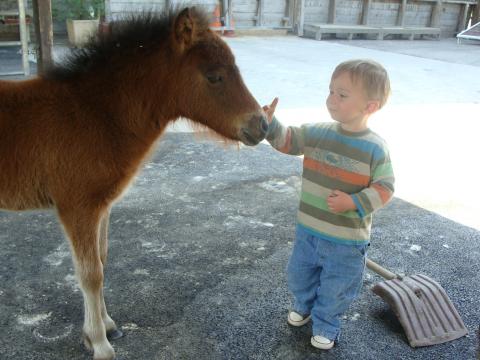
(112, 331)
(82, 227)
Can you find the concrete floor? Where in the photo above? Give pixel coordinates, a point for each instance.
(466, 52)
(200, 242)
(198, 249)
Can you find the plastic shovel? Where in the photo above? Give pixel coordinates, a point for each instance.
(427, 315)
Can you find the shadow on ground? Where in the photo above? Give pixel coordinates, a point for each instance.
(198, 248)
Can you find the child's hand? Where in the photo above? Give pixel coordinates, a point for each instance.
(270, 109)
(338, 202)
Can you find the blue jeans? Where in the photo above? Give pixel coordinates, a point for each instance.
(325, 278)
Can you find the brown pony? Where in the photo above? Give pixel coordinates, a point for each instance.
(74, 138)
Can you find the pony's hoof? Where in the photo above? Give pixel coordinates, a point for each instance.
(114, 334)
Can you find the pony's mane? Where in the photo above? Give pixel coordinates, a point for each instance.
(132, 36)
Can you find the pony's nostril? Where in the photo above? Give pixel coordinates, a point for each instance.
(264, 124)
(256, 130)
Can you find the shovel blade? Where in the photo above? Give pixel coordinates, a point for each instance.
(422, 306)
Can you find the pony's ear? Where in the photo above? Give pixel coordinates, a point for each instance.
(184, 29)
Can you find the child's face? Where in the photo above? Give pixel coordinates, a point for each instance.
(348, 103)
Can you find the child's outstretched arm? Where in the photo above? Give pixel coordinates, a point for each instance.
(289, 140)
(270, 109)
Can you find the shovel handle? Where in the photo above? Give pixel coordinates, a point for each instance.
(381, 270)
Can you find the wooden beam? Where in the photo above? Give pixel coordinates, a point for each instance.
(331, 11)
(42, 13)
(365, 11)
(401, 13)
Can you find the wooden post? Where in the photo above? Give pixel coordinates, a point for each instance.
(476, 13)
(23, 37)
(287, 18)
(260, 10)
(470, 13)
(436, 12)
(462, 19)
(331, 11)
(299, 17)
(230, 23)
(365, 11)
(108, 11)
(42, 13)
(224, 13)
(227, 14)
(401, 13)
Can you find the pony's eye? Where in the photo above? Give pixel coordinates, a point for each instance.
(214, 78)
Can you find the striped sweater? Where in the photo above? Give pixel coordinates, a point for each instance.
(334, 159)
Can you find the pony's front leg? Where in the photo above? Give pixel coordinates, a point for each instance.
(113, 332)
(83, 227)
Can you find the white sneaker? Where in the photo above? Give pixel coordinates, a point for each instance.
(295, 319)
(321, 342)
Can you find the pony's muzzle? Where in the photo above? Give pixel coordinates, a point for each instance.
(255, 130)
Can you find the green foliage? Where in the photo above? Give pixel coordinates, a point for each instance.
(77, 9)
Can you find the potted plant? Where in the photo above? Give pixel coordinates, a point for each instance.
(82, 17)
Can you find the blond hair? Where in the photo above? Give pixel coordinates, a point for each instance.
(373, 77)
